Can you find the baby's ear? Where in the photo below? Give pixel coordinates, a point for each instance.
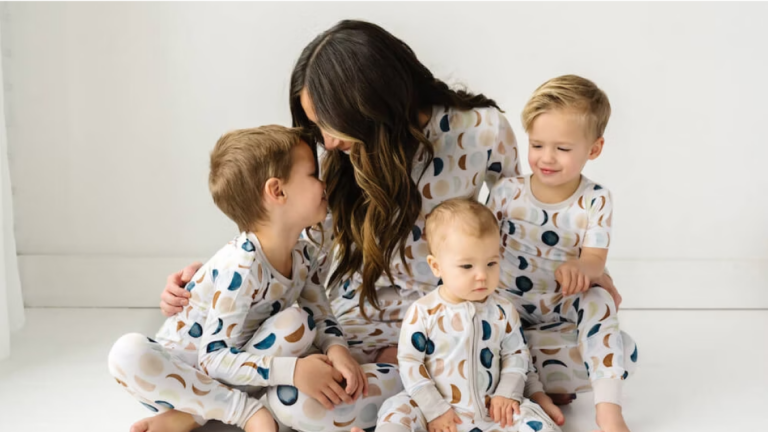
(433, 265)
(596, 149)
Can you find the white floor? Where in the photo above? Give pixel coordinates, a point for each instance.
(699, 371)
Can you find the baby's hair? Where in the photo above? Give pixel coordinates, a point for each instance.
(573, 93)
(474, 219)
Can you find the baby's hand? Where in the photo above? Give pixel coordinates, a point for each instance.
(572, 278)
(445, 423)
(502, 410)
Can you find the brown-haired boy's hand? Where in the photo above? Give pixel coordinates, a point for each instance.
(342, 361)
(316, 377)
(175, 297)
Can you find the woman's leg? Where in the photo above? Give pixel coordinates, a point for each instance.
(367, 337)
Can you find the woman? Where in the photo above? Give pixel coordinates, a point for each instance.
(397, 142)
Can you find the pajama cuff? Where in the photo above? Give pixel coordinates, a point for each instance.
(331, 342)
(430, 402)
(511, 386)
(325, 340)
(607, 390)
(533, 385)
(281, 370)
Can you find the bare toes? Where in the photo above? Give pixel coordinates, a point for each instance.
(140, 426)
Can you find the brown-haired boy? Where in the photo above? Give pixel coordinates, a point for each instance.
(239, 328)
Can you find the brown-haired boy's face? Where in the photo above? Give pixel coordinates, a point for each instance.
(305, 192)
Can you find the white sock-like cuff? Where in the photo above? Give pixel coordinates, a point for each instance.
(607, 390)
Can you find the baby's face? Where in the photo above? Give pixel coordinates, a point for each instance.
(559, 147)
(468, 265)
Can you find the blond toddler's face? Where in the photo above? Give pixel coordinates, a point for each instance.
(559, 147)
(468, 265)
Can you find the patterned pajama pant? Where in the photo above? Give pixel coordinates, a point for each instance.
(576, 343)
(402, 414)
(166, 377)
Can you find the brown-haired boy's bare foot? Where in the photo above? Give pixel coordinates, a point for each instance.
(387, 355)
(610, 418)
(561, 399)
(262, 421)
(549, 407)
(169, 421)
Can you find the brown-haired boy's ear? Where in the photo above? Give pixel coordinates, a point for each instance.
(273, 191)
(596, 149)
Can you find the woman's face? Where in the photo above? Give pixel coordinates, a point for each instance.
(331, 142)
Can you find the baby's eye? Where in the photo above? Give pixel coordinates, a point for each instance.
(466, 266)
(492, 263)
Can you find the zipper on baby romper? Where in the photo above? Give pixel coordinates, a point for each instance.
(479, 409)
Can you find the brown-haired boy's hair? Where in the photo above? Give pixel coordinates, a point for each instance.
(574, 93)
(241, 163)
(475, 219)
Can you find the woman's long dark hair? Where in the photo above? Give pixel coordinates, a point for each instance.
(368, 85)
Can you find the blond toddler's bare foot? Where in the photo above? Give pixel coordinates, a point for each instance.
(386, 355)
(169, 421)
(262, 421)
(610, 418)
(545, 402)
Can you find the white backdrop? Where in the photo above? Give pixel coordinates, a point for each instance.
(113, 109)
(11, 306)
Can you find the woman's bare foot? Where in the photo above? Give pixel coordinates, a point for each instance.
(549, 407)
(262, 421)
(561, 399)
(386, 355)
(610, 419)
(169, 421)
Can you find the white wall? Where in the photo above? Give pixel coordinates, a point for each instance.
(113, 109)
